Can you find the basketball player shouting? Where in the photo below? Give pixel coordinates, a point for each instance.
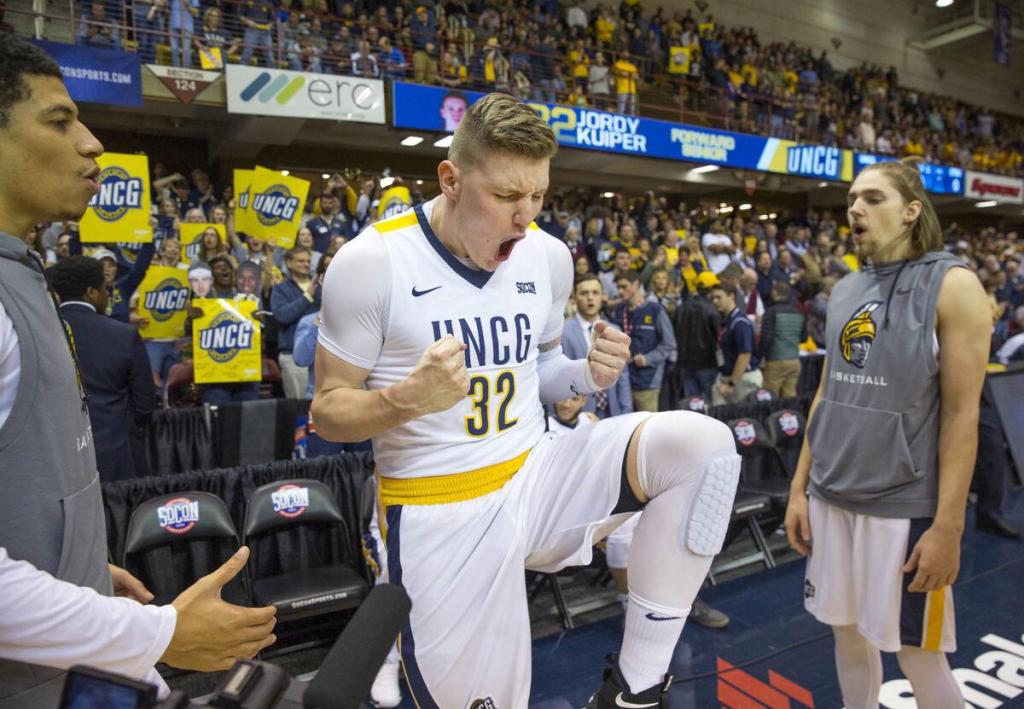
(891, 445)
(441, 330)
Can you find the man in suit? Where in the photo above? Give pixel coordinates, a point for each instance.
(576, 336)
(113, 366)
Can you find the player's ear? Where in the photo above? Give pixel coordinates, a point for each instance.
(448, 177)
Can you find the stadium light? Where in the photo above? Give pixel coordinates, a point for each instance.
(412, 140)
(285, 173)
(703, 168)
(444, 142)
(419, 182)
(763, 217)
(744, 207)
(607, 195)
(773, 215)
(325, 176)
(943, 3)
(725, 210)
(822, 184)
(986, 203)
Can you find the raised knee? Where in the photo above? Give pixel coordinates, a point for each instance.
(689, 436)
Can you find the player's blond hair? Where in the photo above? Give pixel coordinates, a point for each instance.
(503, 124)
(925, 233)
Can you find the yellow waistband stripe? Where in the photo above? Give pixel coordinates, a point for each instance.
(443, 489)
(934, 614)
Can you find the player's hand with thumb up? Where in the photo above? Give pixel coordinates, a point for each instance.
(212, 634)
(609, 352)
(440, 379)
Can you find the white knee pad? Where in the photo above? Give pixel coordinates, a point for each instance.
(709, 516)
(690, 451)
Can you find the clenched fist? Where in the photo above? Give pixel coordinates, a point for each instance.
(440, 379)
(609, 353)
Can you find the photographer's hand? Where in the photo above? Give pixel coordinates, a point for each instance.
(211, 634)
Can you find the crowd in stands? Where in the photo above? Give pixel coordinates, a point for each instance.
(681, 65)
(688, 282)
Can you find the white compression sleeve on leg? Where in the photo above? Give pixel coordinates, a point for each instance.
(859, 667)
(687, 465)
(561, 377)
(930, 676)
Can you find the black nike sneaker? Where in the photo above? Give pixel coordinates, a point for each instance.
(615, 694)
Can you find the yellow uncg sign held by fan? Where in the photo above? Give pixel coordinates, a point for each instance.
(275, 208)
(120, 211)
(226, 342)
(242, 182)
(163, 301)
(192, 239)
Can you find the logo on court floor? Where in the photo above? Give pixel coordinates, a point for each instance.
(740, 690)
(179, 515)
(858, 335)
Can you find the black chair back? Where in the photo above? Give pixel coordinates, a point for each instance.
(292, 525)
(175, 539)
(786, 428)
(754, 447)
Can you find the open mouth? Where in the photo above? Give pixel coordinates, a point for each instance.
(858, 230)
(506, 246)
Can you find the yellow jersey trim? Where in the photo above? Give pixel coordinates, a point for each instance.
(934, 613)
(402, 221)
(444, 489)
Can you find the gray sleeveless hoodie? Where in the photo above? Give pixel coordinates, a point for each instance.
(874, 438)
(51, 512)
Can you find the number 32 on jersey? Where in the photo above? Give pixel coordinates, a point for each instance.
(491, 397)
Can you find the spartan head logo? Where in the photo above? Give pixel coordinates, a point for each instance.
(858, 335)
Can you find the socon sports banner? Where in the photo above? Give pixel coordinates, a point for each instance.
(192, 236)
(226, 342)
(120, 211)
(438, 109)
(163, 301)
(94, 75)
(275, 206)
(242, 181)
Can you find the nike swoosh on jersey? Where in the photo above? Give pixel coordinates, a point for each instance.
(652, 616)
(620, 702)
(418, 293)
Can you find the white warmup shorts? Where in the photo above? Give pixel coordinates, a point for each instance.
(855, 577)
(463, 563)
(617, 544)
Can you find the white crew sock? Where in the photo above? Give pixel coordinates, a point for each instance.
(652, 632)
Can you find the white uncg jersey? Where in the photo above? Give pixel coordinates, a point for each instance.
(395, 289)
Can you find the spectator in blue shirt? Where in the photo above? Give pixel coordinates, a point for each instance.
(653, 343)
(97, 29)
(390, 59)
(329, 224)
(257, 17)
(290, 301)
(738, 373)
(182, 27)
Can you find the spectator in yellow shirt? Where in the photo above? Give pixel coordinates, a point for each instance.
(626, 79)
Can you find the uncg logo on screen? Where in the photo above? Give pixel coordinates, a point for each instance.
(275, 205)
(290, 500)
(179, 515)
(814, 161)
(168, 298)
(226, 337)
(118, 193)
